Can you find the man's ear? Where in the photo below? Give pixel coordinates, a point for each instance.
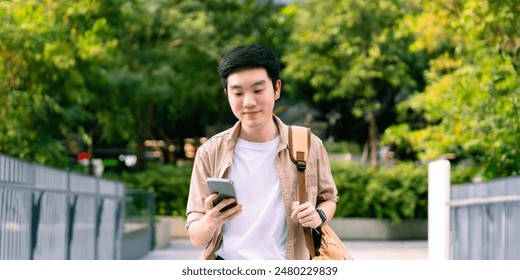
(278, 89)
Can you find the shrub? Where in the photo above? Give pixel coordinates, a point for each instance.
(351, 181)
(395, 193)
(462, 173)
(169, 183)
(342, 147)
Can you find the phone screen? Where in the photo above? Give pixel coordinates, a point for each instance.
(225, 189)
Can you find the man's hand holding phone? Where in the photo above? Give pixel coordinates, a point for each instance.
(225, 190)
(217, 203)
(222, 204)
(202, 230)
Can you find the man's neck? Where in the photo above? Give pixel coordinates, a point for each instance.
(260, 135)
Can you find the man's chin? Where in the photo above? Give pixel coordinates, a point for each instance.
(251, 124)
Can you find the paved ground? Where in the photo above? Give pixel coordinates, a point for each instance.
(182, 249)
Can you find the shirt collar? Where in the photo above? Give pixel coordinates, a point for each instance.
(232, 137)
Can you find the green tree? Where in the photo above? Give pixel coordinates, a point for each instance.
(352, 54)
(47, 53)
(470, 108)
(88, 75)
(169, 54)
(150, 83)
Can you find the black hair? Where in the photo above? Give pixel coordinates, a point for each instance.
(249, 56)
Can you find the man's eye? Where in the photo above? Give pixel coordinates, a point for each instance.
(237, 93)
(258, 90)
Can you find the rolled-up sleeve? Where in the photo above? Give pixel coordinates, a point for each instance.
(327, 190)
(198, 188)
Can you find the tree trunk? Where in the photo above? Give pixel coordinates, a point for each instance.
(364, 155)
(90, 168)
(372, 138)
(143, 128)
(140, 153)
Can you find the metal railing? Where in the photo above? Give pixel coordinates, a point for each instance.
(47, 213)
(485, 220)
(476, 221)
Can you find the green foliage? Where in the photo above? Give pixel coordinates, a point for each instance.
(86, 74)
(351, 55)
(351, 181)
(350, 52)
(53, 61)
(342, 147)
(469, 109)
(463, 173)
(394, 193)
(169, 183)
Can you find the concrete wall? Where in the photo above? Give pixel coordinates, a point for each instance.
(346, 228)
(374, 229)
(136, 241)
(177, 227)
(162, 232)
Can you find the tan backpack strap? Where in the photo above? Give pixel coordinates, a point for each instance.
(299, 143)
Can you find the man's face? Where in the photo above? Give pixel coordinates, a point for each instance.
(251, 96)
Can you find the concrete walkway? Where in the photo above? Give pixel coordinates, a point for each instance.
(182, 249)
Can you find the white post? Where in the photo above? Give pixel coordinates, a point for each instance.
(439, 210)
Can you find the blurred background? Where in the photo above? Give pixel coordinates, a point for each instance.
(127, 90)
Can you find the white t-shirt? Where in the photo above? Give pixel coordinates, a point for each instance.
(260, 231)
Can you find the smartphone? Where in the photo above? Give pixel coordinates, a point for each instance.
(225, 189)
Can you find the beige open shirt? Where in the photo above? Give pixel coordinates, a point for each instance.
(214, 158)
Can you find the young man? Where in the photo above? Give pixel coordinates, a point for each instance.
(267, 222)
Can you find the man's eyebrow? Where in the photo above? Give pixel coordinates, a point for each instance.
(258, 83)
(235, 87)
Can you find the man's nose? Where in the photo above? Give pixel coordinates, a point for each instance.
(249, 100)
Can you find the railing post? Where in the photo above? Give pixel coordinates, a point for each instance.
(36, 206)
(150, 197)
(98, 214)
(439, 210)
